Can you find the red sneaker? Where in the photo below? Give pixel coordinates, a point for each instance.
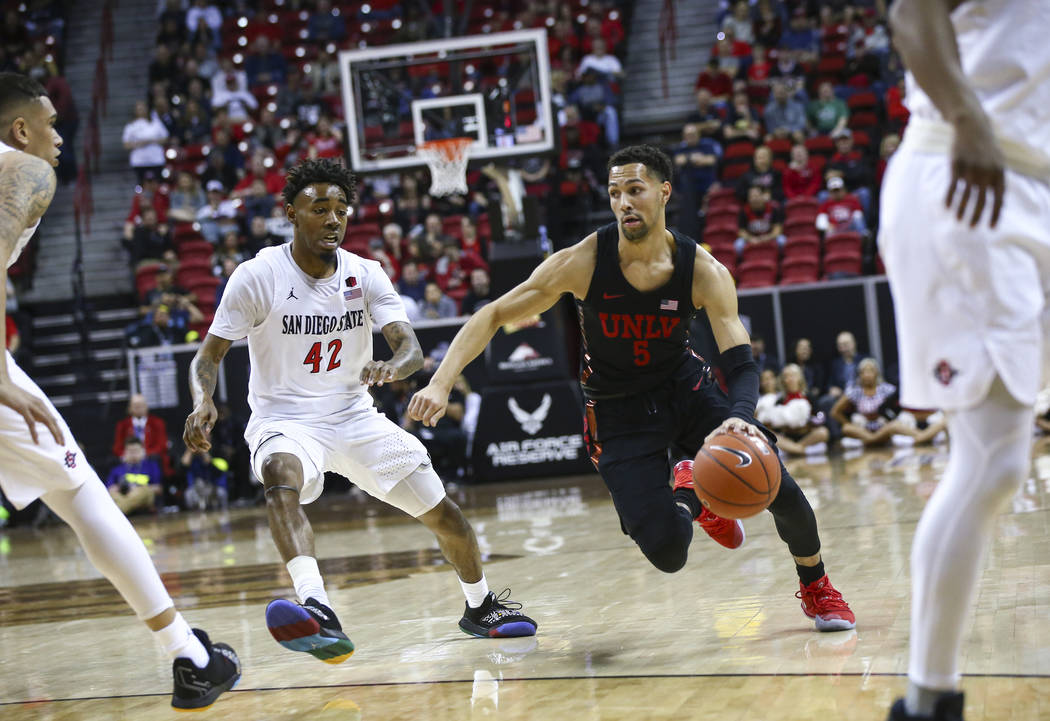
(729, 533)
(824, 604)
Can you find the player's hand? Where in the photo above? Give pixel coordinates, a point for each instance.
(978, 164)
(199, 425)
(376, 373)
(429, 404)
(33, 409)
(738, 426)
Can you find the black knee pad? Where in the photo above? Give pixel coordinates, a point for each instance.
(665, 541)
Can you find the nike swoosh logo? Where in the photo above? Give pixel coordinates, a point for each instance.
(744, 458)
(610, 296)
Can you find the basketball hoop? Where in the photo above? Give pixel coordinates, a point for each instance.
(447, 160)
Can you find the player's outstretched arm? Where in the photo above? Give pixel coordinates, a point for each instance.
(925, 38)
(204, 373)
(714, 290)
(567, 271)
(407, 358)
(27, 185)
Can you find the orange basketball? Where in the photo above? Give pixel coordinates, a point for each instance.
(736, 476)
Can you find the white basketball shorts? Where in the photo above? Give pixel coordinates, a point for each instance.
(970, 303)
(29, 470)
(361, 444)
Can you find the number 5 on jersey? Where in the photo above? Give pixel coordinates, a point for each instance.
(314, 359)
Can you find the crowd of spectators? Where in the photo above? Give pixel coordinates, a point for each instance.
(797, 111)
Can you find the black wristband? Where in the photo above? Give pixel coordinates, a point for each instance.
(741, 372)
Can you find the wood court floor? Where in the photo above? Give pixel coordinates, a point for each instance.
(723, 639)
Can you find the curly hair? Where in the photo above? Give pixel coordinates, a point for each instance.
(654, 159)
(319, 171)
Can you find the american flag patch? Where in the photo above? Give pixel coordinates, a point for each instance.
(668, 305)
(349, 295)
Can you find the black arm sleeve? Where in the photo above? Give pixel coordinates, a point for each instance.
(742, 378)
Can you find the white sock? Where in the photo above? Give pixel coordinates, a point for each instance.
(178, 640)
(475, 592)
(307, 579)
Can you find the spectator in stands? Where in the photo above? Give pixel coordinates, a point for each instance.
(596, 102)
(706, 116)
(479, 294)
(897, 112)
(279, 225)
(800, 36)
(763, 359)
(739, 23)
(854, 168)
(149, 240)
(194, 123)
(218, 216)
(186, 199)
(742, 123)
(867, 410)
(228, 266)
(326, 141)
(717, 81)
(224, 143)
(870, 42)
(172, 33)
(607, 66)
(696, 163)
(264, 65)
(323, 75)
(760, 220)
(788, 71)
(219, 171)
(789, 414)
(229, 248)
(259, 236)
(450, 273)
(326, 26)
(149, 429)
(446, 441)
(827, 114)
(14, 34)
(207, 481)
(767, 24)
(229, 90)
(436, 304)
(887, 148)
(730, 55)
(841, 212)
(802, 176)
(201, 10)
(136, 481)
(163, 69)
(785, 116)
(164, 113)
(207, 61)
(474, 250)
(412, 283)
(812, 372)
(150, 194)
(144, 136)
(758, 73)
(761, 173)
(262, 166)
(154, 330)
(844, 367)
(432, 237)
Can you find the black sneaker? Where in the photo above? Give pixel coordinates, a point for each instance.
(497, 617)
(949, 707)
(197, 688)
(310, 627)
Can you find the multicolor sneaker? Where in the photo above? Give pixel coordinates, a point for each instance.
(310, 627)
(197, 688)
(824, 604)
(728, 532)
(497, 617)
(949, 707)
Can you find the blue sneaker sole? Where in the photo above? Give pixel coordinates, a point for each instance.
(508, 630)
(295, 629)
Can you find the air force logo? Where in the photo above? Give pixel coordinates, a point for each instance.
(531, 423)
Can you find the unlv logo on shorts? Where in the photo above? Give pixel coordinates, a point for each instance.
(944, 372)
(71, 459)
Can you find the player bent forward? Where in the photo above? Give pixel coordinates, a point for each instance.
(308, 309)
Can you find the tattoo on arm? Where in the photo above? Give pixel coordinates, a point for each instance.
(204, 374)
(27, 185)
(408, 356)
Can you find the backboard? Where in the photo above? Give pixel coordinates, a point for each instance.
(494, 88)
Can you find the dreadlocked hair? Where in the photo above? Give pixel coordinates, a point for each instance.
(321, 170)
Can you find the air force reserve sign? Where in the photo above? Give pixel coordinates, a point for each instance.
(528, 431)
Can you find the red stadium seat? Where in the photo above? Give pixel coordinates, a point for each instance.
(842, 262)
(862, 140)
(865, 100)
(863, 120)
(848, 242)
(732, 171)
(801, 224)
(756, 274)
(802, 246)
(739, 149)
(146, 278)
(725, 215)
(801, 214)
(800, 201)
(781, 148)
(204, 289)
(720, 237)
(195, 250)
(820, 145)
(764, 252)
(799, 270)
(721, 196)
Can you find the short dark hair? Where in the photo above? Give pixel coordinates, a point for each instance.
(322, 170)
(132, 441)
(15, 91)
(654, 160)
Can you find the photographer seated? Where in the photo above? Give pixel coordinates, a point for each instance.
(136, 482)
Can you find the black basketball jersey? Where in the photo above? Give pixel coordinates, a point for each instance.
(632, 341)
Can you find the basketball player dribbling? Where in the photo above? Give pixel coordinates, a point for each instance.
(970, 275)
(308, 309)
(49, 465)
(637, 286)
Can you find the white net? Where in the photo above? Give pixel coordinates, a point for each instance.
(447, 160)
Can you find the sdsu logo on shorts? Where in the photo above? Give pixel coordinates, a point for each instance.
(944, 372)
(71, 459)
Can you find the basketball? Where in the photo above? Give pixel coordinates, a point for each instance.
(736, 476)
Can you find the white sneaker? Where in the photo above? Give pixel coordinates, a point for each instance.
(817, 449)
(900, 440)
(851, 443)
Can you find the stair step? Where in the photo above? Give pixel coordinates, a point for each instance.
(68, 379)
(54, 359)
(68, 401)
(94, 336)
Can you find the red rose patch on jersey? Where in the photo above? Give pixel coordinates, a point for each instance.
(944, 372)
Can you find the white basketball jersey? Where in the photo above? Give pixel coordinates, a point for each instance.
(308, 339)
(1004, 46)
(28, 232)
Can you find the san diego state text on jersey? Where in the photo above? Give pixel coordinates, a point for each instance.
(321, 324)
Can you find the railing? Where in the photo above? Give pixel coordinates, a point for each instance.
(668, 41)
